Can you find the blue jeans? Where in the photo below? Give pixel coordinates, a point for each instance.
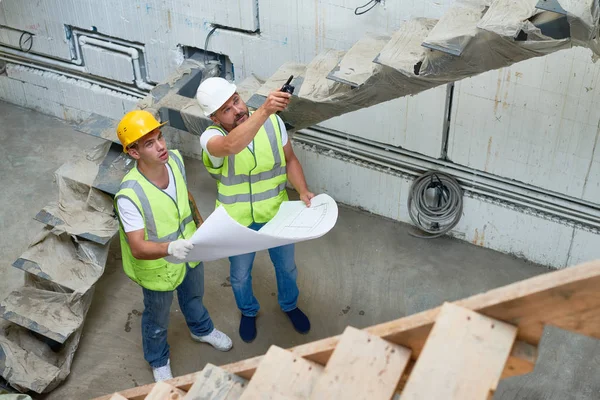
(157, 306)
(285, 272)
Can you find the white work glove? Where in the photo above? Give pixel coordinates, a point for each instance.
(180, 248)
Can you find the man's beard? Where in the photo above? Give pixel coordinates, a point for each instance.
(238, 117)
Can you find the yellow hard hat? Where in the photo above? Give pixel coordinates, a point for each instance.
(134, 125)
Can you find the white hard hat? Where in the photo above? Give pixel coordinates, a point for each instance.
(213, 93)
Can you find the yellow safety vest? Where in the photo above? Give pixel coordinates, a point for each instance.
(164, 221)
(251, 184)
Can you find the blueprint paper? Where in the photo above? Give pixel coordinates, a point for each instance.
(221, 237)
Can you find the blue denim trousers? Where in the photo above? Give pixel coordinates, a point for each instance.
(285, 273)
(157, 306)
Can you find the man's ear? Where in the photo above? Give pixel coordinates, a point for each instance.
(134, 153)
(214, 119)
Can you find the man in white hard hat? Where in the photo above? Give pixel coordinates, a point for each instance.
(251, 158)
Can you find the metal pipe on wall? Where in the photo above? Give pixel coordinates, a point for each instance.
(46, 60)
(471, 181)
(122, 90)
(132, 52)
(426, 162)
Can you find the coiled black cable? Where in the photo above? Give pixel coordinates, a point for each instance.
(435, 204)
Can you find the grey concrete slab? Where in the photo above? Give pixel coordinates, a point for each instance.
(367, 270)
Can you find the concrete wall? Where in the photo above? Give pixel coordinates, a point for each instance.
(535, 122)
(62, 97)
(484, 222)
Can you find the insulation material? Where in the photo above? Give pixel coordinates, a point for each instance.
(99, 126)
(322, 100)
(508, 17)
(455, 29)
(112, 170)
(405, 50)
(177, 95)
(247, 87)
(51, 314)
(430, 68)
(74, 265)
(74, 215)
(316, 83)
(357, 66)
(34, 363)
(84, 168)
(583, 16)
(109, 64)
(280, 77)
(23, 369)
(488, 51)
(194, 119)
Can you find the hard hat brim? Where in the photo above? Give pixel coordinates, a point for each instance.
(149, 132)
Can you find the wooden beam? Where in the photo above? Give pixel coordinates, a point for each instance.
(464, 357)
(282, 375)
(363, 366)
(164, 391)
(216, 383)
(568, 299)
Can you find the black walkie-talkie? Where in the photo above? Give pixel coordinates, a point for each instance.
(287, 87)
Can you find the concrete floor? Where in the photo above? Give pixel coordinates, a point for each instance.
(367, 270)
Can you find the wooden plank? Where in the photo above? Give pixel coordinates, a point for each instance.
(363, 366)
(464, 355)
(282, 375)
(215, 383)
(117, 396)
(568, 299)
(164, 391)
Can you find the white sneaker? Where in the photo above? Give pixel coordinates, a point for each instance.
(216, 338)
(162, 373)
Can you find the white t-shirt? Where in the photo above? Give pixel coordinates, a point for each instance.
(130, 216)
(218, 161)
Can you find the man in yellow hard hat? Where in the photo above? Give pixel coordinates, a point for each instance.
(155, 222)
(251, 158)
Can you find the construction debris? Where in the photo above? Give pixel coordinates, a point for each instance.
(61, 265)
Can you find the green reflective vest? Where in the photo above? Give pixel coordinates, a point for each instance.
(165, 221)
(251, 184)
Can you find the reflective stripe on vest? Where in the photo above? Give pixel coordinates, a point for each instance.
(239, 198)
(251, 184)
(165, 219)
(149, 217)
(233, 179)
